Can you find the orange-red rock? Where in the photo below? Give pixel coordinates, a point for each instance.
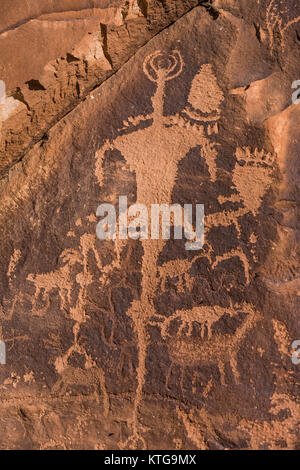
(134, 344)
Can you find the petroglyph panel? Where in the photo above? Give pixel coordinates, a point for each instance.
(281, 15)
(106, 338)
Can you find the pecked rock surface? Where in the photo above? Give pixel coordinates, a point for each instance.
(141, 343)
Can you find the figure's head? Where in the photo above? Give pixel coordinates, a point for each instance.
(161, 66)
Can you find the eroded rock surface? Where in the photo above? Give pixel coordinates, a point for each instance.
(141, 343)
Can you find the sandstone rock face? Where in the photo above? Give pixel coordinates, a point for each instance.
(135, 344)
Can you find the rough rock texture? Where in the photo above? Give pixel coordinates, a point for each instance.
(140, 343)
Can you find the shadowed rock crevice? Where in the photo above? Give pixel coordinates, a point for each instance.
(67, 82)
